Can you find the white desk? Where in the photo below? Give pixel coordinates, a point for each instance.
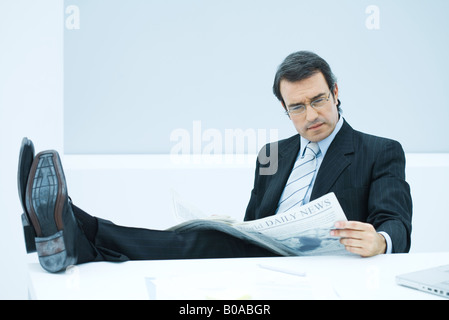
(331, 277)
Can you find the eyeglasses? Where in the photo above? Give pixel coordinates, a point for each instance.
(301, 108)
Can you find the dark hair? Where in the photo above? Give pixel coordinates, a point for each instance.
(302, 65)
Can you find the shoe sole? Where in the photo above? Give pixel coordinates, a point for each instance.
(26, 158)
(45, 200)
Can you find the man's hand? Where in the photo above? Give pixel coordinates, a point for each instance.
(360, 238)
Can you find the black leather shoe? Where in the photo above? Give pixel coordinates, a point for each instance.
(26, 158)
(51, 214)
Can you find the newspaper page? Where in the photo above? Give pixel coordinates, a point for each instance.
(298, 232)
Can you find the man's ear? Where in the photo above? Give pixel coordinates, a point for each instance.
(335, 92)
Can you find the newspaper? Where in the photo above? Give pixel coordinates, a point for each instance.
(301, 231)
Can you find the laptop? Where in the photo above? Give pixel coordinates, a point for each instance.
(433, 280)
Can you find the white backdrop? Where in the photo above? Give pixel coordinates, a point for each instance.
(135, 71)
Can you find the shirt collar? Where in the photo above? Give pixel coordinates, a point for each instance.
(326, 142)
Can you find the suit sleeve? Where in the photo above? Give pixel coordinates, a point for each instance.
(390, 203)
(250, 213)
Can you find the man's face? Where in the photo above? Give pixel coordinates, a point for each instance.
(314, 124)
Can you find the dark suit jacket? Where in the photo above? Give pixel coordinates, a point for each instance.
(366, 173)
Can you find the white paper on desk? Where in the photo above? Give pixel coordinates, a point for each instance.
(256, 285)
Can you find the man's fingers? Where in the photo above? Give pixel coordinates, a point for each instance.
(359, 238)
(357, 250)
(347, 233)
(355, 246)
(354, 225)
(351, 242)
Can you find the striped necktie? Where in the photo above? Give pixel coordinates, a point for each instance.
(300, 178)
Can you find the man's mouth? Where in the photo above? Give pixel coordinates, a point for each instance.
(315, 126)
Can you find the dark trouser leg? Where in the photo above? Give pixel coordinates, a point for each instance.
(117, 243)
(144, 244)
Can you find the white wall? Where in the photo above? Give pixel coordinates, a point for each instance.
(428, 175)
(133, 191)
(136, 71)
(31, 100)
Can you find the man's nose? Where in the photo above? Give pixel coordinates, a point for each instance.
(311, 114)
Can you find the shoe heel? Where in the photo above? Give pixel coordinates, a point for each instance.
(52, 253)
(29, 234)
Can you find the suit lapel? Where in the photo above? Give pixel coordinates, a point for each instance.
(286, 159)
(334, 162)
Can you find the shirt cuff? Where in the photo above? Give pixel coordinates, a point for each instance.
(389, 248)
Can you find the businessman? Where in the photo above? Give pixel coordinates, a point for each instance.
(366, 173)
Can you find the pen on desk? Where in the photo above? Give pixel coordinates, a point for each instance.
(282, 270)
